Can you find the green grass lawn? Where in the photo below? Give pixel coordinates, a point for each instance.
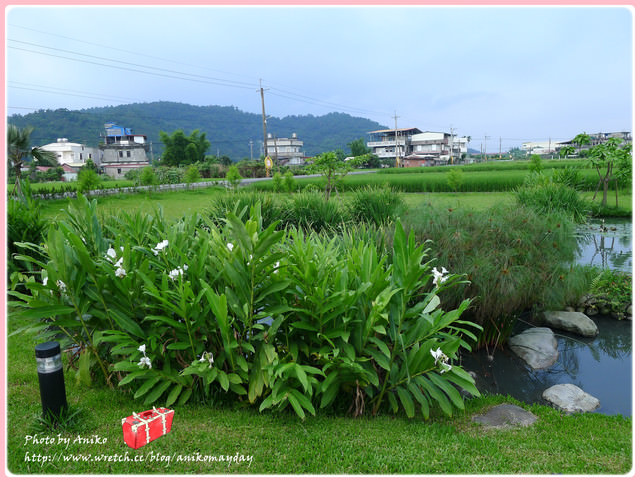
(280, 443)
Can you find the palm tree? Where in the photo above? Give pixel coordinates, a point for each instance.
(19, 146)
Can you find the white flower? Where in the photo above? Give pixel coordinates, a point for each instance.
(121, 248)
(185, 267)
(207, 356)
(442, 359)
(174, 273)
(439, 277)
(111, 253)
(160, 246)
(121, 273)
(45, 280)
(144, 361)
(142, 348)
(118, 263)
(276, 266)
(230, 246)
(61, 286)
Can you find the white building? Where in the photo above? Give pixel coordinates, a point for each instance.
(285, 151)
(541, 147)
(417, 148)
(71, 153)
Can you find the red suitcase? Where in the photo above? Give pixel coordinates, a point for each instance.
(141, 428)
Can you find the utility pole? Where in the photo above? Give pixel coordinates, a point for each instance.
(500, 147)
(275, 150)
(485, 147)
(451, 147)
(251, 149)
(396, 136)
(264, 120)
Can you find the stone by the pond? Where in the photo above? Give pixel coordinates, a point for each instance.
(572, 321)
(536, 346)
(570, 398)
(505, 416)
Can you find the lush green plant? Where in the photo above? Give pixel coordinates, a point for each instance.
(277, 182)
(312, 212)
(240, 203)
(614, 289)
(546, 196)
(512, 258)
(88, 180)
(192, 174)
(612, 162)
(568, 176)
(187, 310)
(333, 167)
(25, 223)
(289, 181)
(454, 179)
(147, 177)
(169, 175)
(377, 205)
(233, 176)
(535, 163)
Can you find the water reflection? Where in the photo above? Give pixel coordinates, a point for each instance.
(606, 243)
(600, 366)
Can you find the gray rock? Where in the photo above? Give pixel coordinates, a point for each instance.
(591, 310)
(572, 321)
(505, 416)
(536, 346)
(570, 399)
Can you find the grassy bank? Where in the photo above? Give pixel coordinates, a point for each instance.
(279, 443)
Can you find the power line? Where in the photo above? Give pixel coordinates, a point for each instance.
(112, 48)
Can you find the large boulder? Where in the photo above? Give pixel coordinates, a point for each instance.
(538, 347)
(572, 321)
(505, 416)
(570, 399)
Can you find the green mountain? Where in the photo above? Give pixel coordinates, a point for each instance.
(227, 128)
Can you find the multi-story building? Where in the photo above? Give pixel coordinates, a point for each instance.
(285, 151)
(122, 150)
(71, 153)
(412, 147)
(599, 138)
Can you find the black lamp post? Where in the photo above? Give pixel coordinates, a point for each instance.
(51, 378)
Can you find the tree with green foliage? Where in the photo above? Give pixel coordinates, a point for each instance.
(233, 176)
(180, 149)
(359, 148)
(612, 162)
(88, 179)
(19, 148)
(147, 177)
(192, 174)
(332, 166)
(535, 164)
(289, 181)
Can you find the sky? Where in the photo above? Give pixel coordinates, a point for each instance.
(501, 75)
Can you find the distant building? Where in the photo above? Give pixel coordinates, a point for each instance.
(285, 151)
(70, 174)
(417, 148)
(599, 138)
(542, 147)
(71, 153)
(122, 150)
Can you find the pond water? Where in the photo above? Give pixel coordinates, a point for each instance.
(600, 366)
(606, 243)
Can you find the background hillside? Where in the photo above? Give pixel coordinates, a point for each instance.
(228, 129)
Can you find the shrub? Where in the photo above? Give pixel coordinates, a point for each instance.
(376, 205)
(192, 174)
(88, 180)
(535, 164)
(312, 212)
(546, 197)
(513, 259)
(233, 176)
(187, 311)
(25, 224)
(240, 203)
(454, 179)
(147, 177)
(289, 181)
(277, 182)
